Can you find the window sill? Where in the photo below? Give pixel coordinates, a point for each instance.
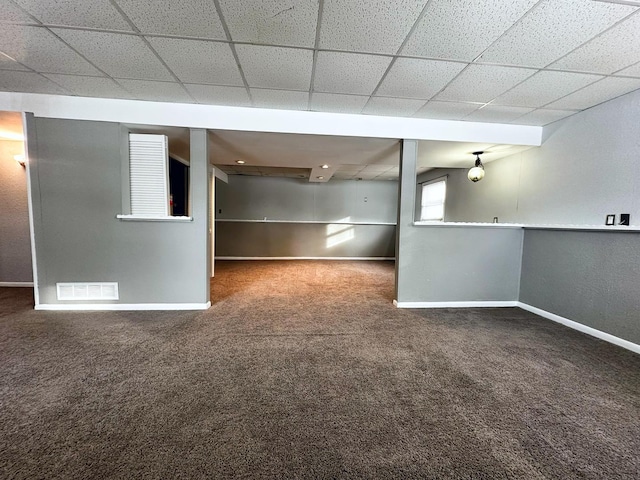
(595, 228)
(144, 218)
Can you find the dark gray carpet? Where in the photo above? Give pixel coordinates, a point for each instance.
(306, 370)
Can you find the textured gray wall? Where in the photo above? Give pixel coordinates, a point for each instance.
(296, 200)
(257, 239)
(15, 243)
(78, 236)
(452, 264)
(588, 277)
(277, 198)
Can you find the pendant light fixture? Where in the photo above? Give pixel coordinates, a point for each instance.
(476, 173)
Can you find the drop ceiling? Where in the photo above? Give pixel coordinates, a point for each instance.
(527, 62)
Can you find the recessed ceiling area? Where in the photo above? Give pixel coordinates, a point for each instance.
(527, 62)
(345, 157)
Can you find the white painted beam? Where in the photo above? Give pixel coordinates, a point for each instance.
(266, 120)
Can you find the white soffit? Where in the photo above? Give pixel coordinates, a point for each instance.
(266, 120)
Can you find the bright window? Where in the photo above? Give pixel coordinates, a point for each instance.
(433, 198)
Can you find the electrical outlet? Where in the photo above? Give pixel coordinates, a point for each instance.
(625, 219)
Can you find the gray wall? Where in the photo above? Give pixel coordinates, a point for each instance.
(452, 264)
(15, 243)
(258, 239)
(291, 199)
(285, 202)
(585, 169)
(588, 277)
(77, 195)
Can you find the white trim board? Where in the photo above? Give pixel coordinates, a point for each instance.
(607, 337)
(16, 284)
(266, 120)
(122, 306)
(305, 258)
(472, 304)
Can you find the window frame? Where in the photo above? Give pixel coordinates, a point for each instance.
(442, 179)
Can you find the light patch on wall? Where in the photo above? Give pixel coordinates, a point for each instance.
(340, 232)
(7, 135)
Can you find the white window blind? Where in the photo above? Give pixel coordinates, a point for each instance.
(149, 174)
(433, 197)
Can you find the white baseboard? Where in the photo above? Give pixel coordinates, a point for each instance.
(478, 304)
(305, 258)
(122, 306)
(16, 284)
(607, 337)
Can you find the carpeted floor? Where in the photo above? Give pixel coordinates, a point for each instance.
(306, 370)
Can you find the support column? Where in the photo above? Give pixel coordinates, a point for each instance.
(199, 181)
(406, 207)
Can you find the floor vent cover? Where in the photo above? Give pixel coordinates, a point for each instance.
(87, 291)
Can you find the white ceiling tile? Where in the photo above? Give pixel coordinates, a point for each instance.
(10, 13)
(500, 114)
(86, 13)
(217, 95)
(397, 107)
(349, 72)
(415, 78)
(632, 71)
(463, 29)
(89, 86)
(446, 110)
(552, 29)
(198, 61)
(122, 56)
(606, 53)
(28, 82)
(483, 83)
(38, 49)
(185, 18)
(606, 89)
(8, 63)
(155, 91)
(279, 22)
(275, 67)
(336, 103)
(542, 117)
(378, 27)
(545, 87)
(280, 99)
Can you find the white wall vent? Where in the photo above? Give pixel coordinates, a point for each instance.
(149, 174)
(87, 291)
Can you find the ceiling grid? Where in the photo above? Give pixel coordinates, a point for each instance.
(534, 61)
